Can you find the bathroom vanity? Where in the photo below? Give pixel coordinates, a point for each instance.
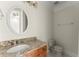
(36, 48)
(40, 51)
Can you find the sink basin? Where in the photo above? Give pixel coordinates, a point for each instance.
(18, 48)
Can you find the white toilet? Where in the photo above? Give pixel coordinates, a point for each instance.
(55, 49)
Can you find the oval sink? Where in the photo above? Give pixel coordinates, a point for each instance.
(18, 48)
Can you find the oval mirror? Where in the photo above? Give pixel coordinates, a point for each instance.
(18, 20)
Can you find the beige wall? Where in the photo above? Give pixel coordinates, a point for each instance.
(39, 21)
(66, 34)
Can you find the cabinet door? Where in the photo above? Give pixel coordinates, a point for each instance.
(38, 52)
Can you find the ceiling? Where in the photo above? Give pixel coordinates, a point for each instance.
(58, 2)
(59, 5)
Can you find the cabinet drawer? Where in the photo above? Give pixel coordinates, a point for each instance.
(39, 52)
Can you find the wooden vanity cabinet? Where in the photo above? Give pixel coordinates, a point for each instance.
(37, 52)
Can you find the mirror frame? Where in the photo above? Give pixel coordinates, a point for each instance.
(8, 17)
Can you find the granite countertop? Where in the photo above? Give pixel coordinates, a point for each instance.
(32, 42)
